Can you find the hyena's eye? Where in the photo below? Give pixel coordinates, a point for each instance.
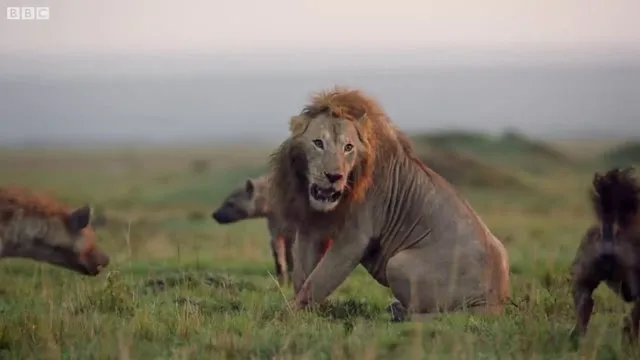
(319, 144)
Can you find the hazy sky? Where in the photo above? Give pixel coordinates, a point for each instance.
(215, 25)
(95, 105)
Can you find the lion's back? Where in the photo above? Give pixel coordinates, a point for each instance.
(416, 208)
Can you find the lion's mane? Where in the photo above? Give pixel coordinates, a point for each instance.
(382, 141)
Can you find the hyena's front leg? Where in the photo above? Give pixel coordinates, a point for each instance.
(289, 255)
(632, 323)
(278, 243)
(583, 305)
(631, 328)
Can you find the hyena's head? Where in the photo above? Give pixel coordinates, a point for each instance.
(62, 239)
(245, 202)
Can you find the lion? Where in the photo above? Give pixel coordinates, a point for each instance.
(347, 173)
(38, 227)
(610, 250)
(250, 201)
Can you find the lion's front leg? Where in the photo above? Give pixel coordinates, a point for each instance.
(338, 262)
(306, 255)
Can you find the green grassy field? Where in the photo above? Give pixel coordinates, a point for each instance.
(180, 286)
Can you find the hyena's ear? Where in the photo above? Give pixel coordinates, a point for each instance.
(597, 179)
(79, 219)
(249, 187)
(298, 124)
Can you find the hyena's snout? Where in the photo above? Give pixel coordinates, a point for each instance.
(94, 261)
(226, 215)
(219, 217)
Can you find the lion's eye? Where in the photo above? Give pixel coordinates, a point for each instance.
(318, 143)
(348, 148)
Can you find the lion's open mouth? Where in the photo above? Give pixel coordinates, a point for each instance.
(327, 195)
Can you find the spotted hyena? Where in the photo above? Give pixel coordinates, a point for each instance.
(250, 201)
(38, 227)
(610, 249)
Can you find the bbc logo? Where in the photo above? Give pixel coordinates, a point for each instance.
(27, 13)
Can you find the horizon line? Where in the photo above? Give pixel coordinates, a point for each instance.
(584, 48)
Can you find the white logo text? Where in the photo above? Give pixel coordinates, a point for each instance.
(27, 13)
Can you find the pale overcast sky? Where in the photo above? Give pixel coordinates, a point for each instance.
(216, 25)
(126, 37)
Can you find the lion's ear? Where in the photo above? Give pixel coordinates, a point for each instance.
(362, 128)
(298, 124)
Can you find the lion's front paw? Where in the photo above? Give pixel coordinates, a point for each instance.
(397, 311)
(294, 304)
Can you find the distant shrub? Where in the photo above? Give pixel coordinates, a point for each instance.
(509, 142)
(466, 171)
(196, 216)
(511, 149)
(624, 155)
(199, 166)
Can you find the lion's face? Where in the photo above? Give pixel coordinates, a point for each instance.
(332, 147)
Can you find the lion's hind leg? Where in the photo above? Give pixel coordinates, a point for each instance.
(425, 287)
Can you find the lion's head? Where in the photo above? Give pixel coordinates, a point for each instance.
(334, 150)
(328, 161)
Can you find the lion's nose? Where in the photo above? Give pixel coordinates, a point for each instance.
(333, 177)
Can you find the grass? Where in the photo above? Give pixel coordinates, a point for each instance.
(181, 286)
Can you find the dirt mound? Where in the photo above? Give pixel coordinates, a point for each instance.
(509, 149)
(462, 170)
(623, 155)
